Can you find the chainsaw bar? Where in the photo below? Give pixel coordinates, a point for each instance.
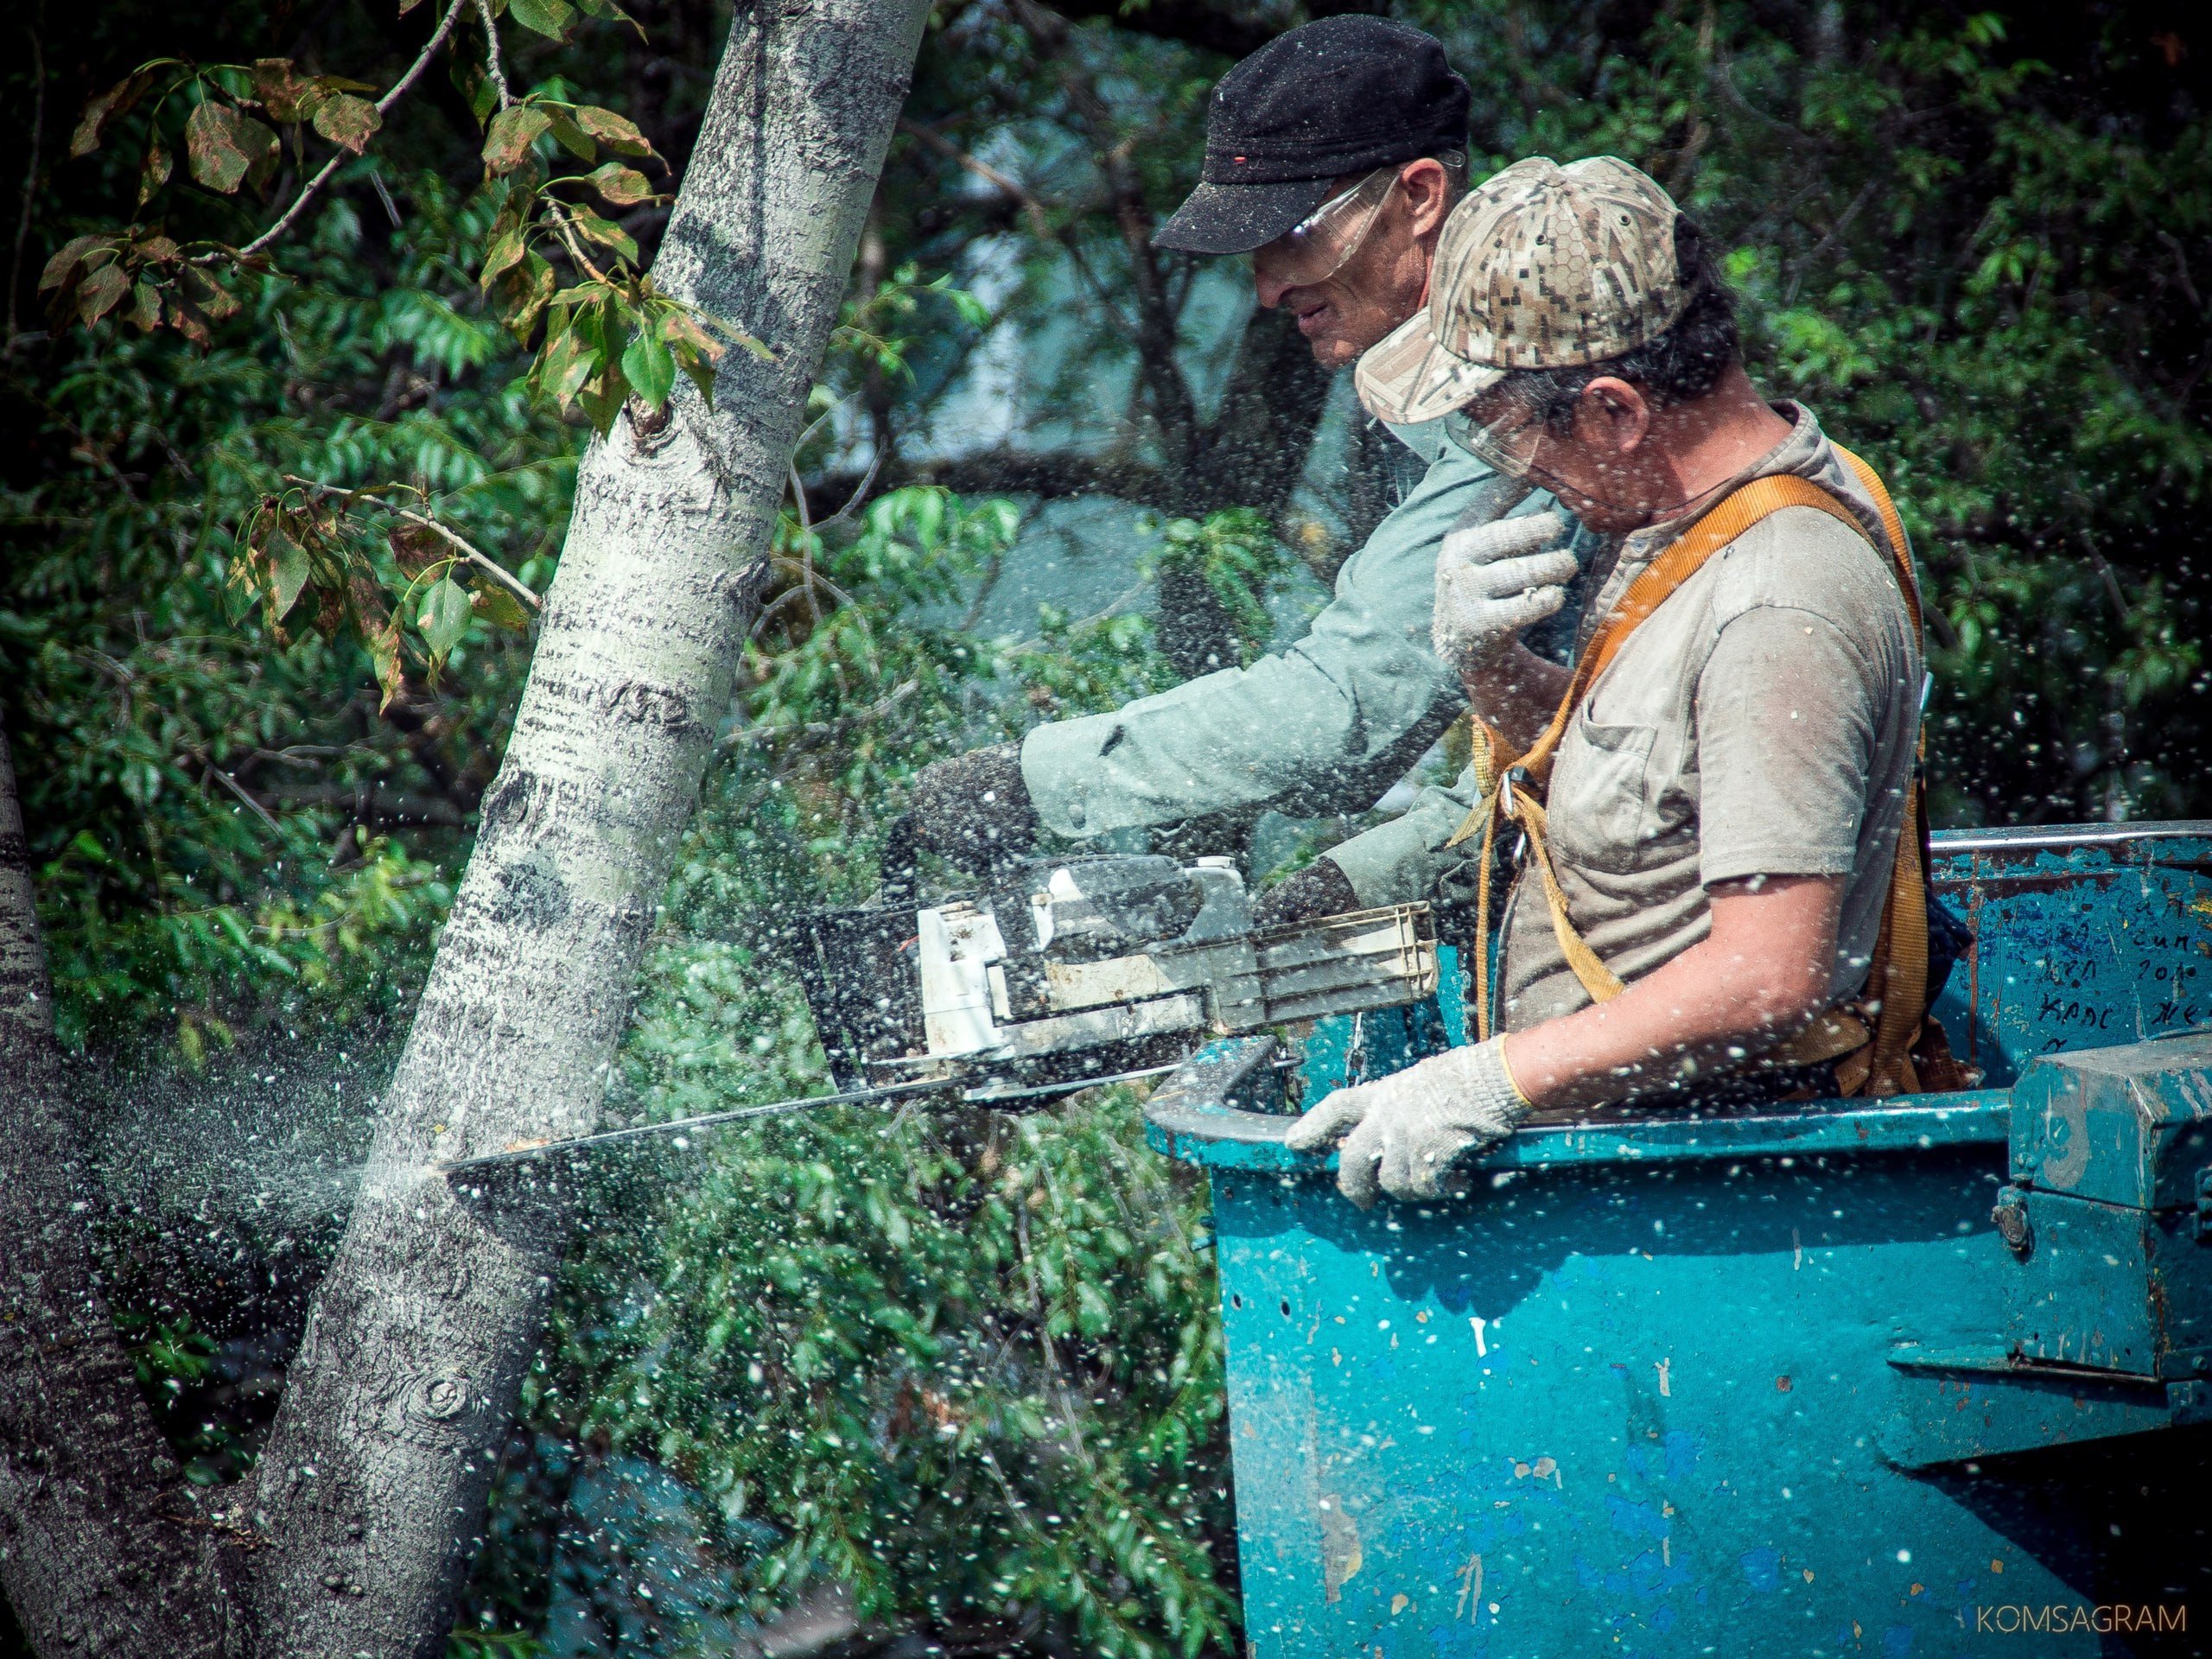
(527, 1152)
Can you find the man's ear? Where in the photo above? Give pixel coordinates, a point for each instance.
(1616, 415)
(1428, 191)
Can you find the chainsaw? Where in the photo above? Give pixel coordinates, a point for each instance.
(1059, 975)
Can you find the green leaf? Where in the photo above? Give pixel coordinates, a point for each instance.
(650, 367)
(288, 570)
(223, 144)
(548, 17)
(107, 106)
(101, 291)
(617, 132)
(507, 249)
(573, 138)
(605, 231)
(500, 608)
(383, 657)
(474, 84)
(602, 396)
(699, 370)
(514, 131)
(415, 548)
(608, 11)
(153, 172)
(522, 296)
(625, 186)
(66, 258)
(347, 121)
(280, 89)
(145, 312)
(209, 295)
(568, 358)
(443, 617)
(695, 351)
(680, 329)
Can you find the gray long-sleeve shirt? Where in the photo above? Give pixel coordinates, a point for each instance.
(1325, 725)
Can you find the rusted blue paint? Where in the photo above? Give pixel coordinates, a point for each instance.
(2127, 1126)
(1748, 1384)
(1957, 1406)
(2086, 937)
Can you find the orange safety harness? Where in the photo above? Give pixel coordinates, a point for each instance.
(1871, 1037)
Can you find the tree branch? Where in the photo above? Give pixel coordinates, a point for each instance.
(483, 561)
(308, 191)
(30, 177)
(1013, 191)
(371, 804)
(492, 65)
(1174, 409)
(237, 789)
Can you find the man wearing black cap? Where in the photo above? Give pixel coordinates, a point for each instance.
(1333, 156)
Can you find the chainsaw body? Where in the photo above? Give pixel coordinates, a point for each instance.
(1086, 966)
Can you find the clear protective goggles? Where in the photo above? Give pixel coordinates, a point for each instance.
(1508, 439)
(1318, 246)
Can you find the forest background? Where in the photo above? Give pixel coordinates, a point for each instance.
(859, 1383)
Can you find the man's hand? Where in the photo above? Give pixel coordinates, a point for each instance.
(973, 810)
(1407, 1128)
(1494, 580)
(1320, 889)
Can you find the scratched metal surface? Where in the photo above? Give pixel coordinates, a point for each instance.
(2086, 936)
(1640, 1393)
(1609, 1410)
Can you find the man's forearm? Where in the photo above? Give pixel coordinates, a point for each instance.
(1755, 981)
(1517, 694)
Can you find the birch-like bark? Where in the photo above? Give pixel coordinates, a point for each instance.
(101, 1551)
(373, 1486)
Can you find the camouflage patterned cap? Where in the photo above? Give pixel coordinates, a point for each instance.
(1541, 267)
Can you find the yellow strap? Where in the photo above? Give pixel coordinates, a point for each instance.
(1896, 982)
(1833, 1034)
(1603, 984)
(1897, 979)
(1656, 584)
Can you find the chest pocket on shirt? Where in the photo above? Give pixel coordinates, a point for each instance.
(1600, 812)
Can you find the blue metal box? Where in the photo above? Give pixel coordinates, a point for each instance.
(1784, 1383)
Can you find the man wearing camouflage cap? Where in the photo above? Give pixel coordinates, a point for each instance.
(1721, 875)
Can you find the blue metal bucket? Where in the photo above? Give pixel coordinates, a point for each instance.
(1801, 1383)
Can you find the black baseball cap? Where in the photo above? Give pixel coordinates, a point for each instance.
(1340, 95)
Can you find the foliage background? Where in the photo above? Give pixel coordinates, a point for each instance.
(967, 1368)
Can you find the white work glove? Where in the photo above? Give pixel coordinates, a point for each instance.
(1408, 1128)
(1494, 580)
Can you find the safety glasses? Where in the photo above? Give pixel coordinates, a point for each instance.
(1318, 246)
(1508, 439)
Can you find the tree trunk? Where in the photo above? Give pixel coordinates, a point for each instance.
(373, 1486)
(101, 1550)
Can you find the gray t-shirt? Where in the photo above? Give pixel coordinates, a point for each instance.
(1763, 721)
